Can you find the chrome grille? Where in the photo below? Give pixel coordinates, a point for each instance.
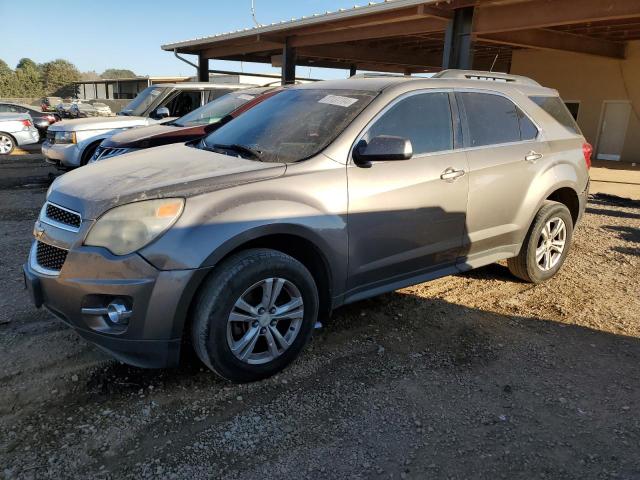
(50, 257)
(62, 216)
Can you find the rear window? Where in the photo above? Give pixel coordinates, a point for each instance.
(555, 107)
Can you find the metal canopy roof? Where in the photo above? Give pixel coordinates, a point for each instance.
(408, 35)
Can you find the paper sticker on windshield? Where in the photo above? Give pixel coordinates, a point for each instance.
(338, 100)
(244, 96)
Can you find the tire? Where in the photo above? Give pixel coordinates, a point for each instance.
(7, 144)
(529, 265)
(245, 276)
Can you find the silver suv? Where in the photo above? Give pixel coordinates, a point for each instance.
(322, 195)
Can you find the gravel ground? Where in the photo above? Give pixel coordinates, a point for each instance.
(470, 376)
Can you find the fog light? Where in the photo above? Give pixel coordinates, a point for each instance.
(116, 312)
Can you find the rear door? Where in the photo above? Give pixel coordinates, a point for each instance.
(504, 156)
(405, 220)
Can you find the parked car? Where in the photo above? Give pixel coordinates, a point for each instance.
(192, 126)
(63, 109)
(103, 109)
(41, 120)
(16, 129)
(82, 110)
(72, 143)
(322, 195)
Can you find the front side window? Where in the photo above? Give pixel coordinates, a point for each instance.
(216, 110)
(142, 102)
(184, 103)
(291, 126)
(491, 119)
(424, 119)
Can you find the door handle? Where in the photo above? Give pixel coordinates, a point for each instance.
(450, 174)
(533, 157)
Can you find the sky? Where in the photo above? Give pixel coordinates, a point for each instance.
(96, 35)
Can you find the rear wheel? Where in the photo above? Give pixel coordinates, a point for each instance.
(254, 314)
(546, 245)
(7, 144)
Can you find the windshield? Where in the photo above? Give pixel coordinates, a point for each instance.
(142, 102)
(291, 126)
(214, 111)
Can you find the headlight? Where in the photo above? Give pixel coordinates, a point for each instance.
(130, 227)
(65, 137)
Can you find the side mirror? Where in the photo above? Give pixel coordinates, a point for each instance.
(162, 112)
(382, 148)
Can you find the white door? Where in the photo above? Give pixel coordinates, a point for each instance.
(613, 129)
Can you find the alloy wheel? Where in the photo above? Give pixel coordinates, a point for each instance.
(6, 144)
(265, 321)
(551, 244)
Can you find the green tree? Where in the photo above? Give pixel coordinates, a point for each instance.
(4, 68)
(89, 76)
(117, 73)
(58, 77)
(27, 63)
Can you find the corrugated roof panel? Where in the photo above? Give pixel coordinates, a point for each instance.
(372, 7)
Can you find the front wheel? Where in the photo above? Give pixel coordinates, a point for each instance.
(7, 144)
(546, 245)
(254, 315)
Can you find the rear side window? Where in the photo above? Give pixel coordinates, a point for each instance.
(555, 107)
(425, 119)
(491, 119)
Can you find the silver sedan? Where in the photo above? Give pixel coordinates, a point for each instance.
(16, 129)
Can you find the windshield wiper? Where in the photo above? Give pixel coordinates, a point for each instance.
(216, 147)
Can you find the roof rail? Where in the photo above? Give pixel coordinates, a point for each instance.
(377, 75)
(487, 76)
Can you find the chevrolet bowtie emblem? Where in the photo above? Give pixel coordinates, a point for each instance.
(38, 232)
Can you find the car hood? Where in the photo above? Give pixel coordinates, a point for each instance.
(153, 136)
(101, 123)
(170, 171)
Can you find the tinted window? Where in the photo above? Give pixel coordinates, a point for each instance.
(528, 130)
(491, 119)
(425, 119)
(184, 103)
(558, 110)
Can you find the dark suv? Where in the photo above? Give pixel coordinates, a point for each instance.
(322, 195)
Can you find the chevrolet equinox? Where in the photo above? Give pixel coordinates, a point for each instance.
(322, 195)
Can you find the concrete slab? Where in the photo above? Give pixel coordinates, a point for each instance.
(621, 179)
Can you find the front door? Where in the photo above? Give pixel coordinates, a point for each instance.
(613, 130)
(405, 220)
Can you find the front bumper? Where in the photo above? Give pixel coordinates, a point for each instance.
(64, 155)
(91, 277)
(26, 137)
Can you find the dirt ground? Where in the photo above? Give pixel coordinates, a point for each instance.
(470, 376)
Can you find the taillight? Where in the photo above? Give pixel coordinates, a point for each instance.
(587, 150)
(26, 123)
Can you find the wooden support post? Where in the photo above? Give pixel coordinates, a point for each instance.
(203, 68)
(457, 40)
(288, 64)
